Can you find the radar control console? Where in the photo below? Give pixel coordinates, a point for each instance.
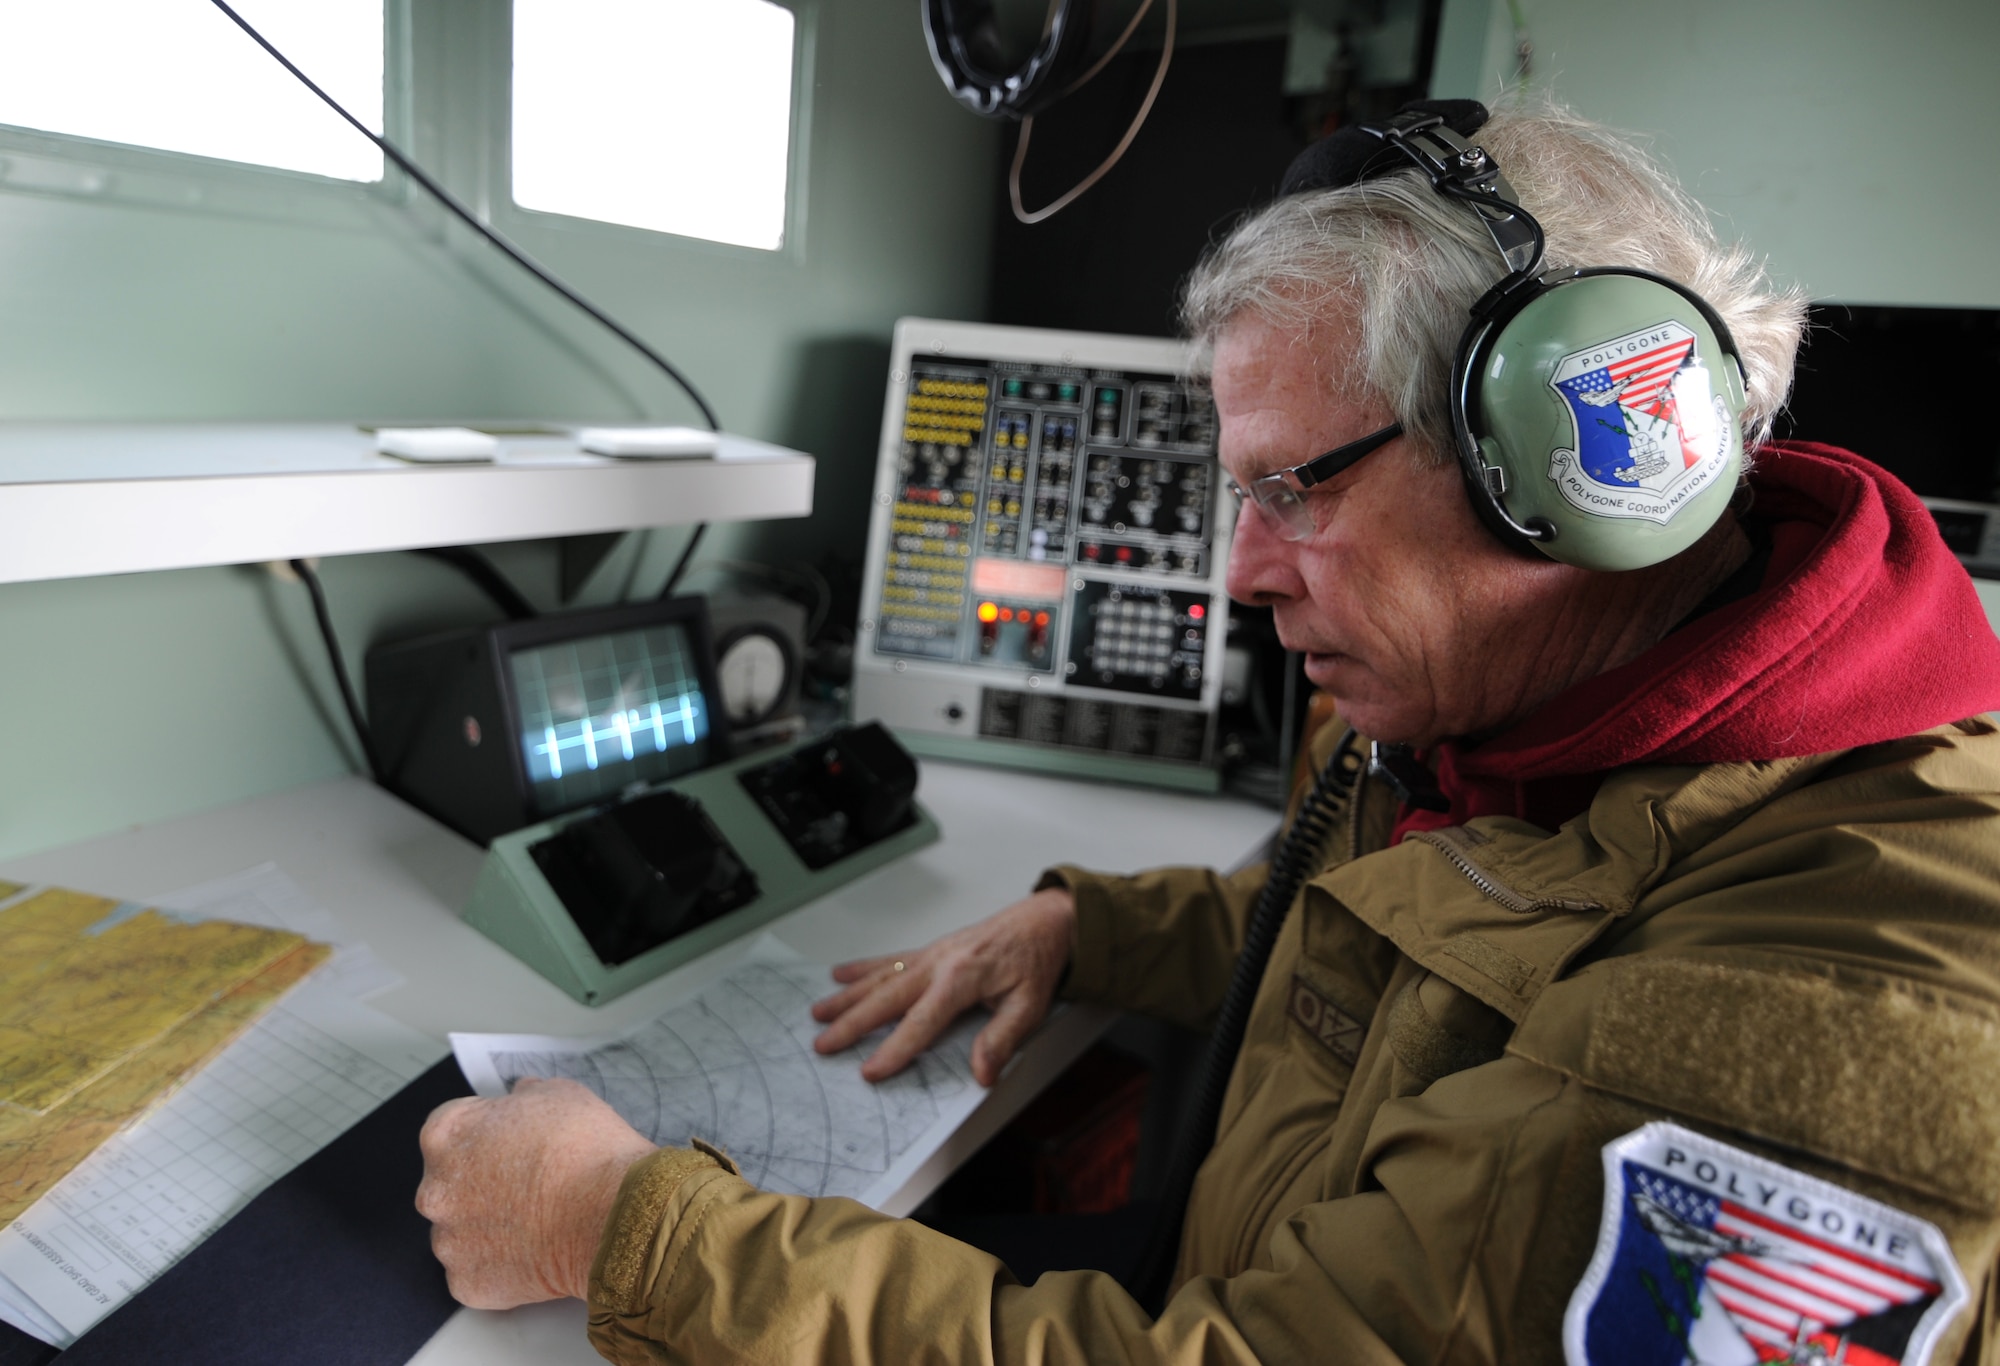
(1044, 576)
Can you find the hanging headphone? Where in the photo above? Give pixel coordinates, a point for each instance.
(964, 41)
(1595, 411)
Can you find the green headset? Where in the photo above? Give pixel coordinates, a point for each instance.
(1595, 411)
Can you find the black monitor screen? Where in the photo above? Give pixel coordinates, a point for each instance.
(1897, 385)
(600, 712)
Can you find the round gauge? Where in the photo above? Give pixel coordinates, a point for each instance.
(755, 668)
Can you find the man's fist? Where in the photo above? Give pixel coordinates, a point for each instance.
(518, 1190)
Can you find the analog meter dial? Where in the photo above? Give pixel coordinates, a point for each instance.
(755, 667)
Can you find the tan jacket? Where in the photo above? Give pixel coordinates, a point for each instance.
(1800, 957)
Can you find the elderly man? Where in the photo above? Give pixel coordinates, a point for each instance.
(1656, 1020)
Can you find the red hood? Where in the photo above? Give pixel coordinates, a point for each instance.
(1865, 629)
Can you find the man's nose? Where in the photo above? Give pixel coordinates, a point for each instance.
(1263, 566)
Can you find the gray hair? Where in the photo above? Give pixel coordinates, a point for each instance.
(1405, 264)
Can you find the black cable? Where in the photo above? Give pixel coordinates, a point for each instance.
(1296, 860)
(325, 619)
(480, 570)
(471, 220)
(680, 565)
(1288, 724)
(1021, 212)
(1488, 205)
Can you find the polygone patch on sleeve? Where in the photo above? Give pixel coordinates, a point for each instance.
(1708, 1254)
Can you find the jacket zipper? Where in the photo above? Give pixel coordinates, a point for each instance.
(1451, 841)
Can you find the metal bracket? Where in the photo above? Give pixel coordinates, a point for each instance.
(1464, 171)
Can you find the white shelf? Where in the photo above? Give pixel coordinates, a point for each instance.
(80, 499)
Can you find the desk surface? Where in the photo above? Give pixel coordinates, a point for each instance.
(395, 879)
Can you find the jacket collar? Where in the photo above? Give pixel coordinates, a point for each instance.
(1500, 908)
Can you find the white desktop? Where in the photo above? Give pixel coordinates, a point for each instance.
(396, 880)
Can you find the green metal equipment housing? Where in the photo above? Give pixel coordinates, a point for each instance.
(513, 905)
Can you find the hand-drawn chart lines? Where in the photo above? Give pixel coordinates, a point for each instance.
(736, 1067)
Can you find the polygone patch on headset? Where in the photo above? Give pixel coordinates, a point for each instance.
(1706, 1253)
(1648, 431)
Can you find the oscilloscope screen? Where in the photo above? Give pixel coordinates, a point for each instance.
(599, 713)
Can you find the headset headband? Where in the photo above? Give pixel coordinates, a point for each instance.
(1463, 171)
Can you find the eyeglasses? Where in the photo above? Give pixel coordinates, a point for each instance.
(1281, 495)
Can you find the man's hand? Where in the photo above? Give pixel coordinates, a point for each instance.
(1010, 962)
(518, 1190)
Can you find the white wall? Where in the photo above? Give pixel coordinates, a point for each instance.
(138, 697)
(1847, 140)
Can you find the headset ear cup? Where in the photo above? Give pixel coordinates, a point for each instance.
(1482, 461)
(1611, 402)
(1489, 501)
(964, 43)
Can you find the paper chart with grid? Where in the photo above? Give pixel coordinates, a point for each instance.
(734, 1065)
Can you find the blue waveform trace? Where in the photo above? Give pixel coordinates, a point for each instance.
(584, 734)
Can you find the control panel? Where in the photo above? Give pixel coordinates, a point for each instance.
(1044, 578)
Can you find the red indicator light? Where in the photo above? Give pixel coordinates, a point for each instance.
(1006, 614)
(1041, 618)
(1124, 552)
(988, 612)
(1197, 612)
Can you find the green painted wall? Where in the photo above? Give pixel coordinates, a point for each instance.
(131, 698)
(1831, 135)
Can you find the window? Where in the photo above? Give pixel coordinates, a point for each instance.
(180, 76)
(673, 115)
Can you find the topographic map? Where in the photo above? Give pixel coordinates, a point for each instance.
(735, 1066)
(104, 1006)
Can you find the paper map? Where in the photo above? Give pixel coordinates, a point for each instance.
(734, 1065)
(265, 896)
(316, 1063)
(104, 1006)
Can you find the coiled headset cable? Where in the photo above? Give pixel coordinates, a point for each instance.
(1298, 858)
